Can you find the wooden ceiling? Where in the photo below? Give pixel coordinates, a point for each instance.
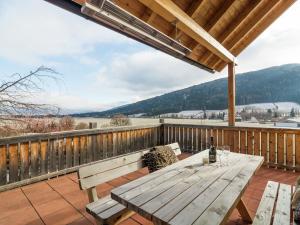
(214, 31)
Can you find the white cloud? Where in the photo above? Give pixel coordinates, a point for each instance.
(146, 74)
(89, 61)
(36, 32)
(68, 102)
(33, 30)
(278, 45)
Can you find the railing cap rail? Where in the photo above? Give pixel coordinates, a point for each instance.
(267, 129)
(73, 133)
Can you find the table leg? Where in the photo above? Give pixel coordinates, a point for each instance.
(119, 219)
(241, 207)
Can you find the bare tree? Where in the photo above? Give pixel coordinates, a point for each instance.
(67, 123)
(120, 120)
(81, 126)
(15, 94)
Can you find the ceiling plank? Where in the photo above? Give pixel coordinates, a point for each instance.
(232, 27)
(192, 10)
(151, 17)
(260, 15)
(169, 10)
(259, 28)
(211, 23)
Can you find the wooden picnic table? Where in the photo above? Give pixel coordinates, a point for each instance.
(188, 192)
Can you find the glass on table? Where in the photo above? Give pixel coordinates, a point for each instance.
(223, 150)
(205, 160)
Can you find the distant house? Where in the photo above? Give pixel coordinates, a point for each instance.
(238, 118)
(288, 122)
(254, 120)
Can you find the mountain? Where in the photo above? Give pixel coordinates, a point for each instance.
(274, 84)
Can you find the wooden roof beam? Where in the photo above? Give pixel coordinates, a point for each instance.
(232, 27)
(171, 12)
(259, 28)
(260, 15)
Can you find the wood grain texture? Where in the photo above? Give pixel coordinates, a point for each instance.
(44, 157)
(24, 160)
(297, 149)
(61, 154)
(76, 149)
(272, 147)
(231, 94)
(257, 143)
(194, 193)
(264, 212)
(69, 153)
(3, 165)
(264, 146)
(289, 150)
(280, 148)
(53, 145)
(283, 205)
(34, 158)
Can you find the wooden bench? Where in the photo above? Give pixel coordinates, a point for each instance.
(275, 205)
(106, 210)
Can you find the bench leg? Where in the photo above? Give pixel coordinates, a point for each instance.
(119, 219)
(241, 207)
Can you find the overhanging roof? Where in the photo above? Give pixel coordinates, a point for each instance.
(205, 33)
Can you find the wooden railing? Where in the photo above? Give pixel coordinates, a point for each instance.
(279, 146)
(31, 158)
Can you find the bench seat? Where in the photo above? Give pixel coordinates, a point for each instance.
(106, 210)
(275, 205)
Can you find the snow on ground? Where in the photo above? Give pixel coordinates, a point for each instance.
(282, 107)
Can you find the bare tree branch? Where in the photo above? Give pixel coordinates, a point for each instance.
(15, 91)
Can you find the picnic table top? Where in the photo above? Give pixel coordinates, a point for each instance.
(188, 192)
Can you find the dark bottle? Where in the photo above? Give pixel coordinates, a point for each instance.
(212, 151)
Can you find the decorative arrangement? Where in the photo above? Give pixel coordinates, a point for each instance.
(159, 157)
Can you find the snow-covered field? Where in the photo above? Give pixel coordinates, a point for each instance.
(282, 107)
(148, 121)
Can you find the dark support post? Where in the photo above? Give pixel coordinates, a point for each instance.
(162, 135)
(161, 120)
(92, 125)
(231, 94)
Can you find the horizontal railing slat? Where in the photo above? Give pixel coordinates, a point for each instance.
(73, 133)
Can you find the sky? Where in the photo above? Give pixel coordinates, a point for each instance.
(99, 68)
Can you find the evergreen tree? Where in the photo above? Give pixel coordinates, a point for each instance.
(292, 113)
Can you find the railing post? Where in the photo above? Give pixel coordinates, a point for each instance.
(162, 134)
(231, 94)
(92, 125)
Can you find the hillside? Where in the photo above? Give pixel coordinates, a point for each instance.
(274, 84)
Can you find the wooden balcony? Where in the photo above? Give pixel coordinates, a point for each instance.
(39, 185)
(60, 201)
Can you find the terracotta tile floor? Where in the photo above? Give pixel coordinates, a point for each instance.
(60, 201)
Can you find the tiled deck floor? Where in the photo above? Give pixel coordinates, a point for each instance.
(60, 201)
